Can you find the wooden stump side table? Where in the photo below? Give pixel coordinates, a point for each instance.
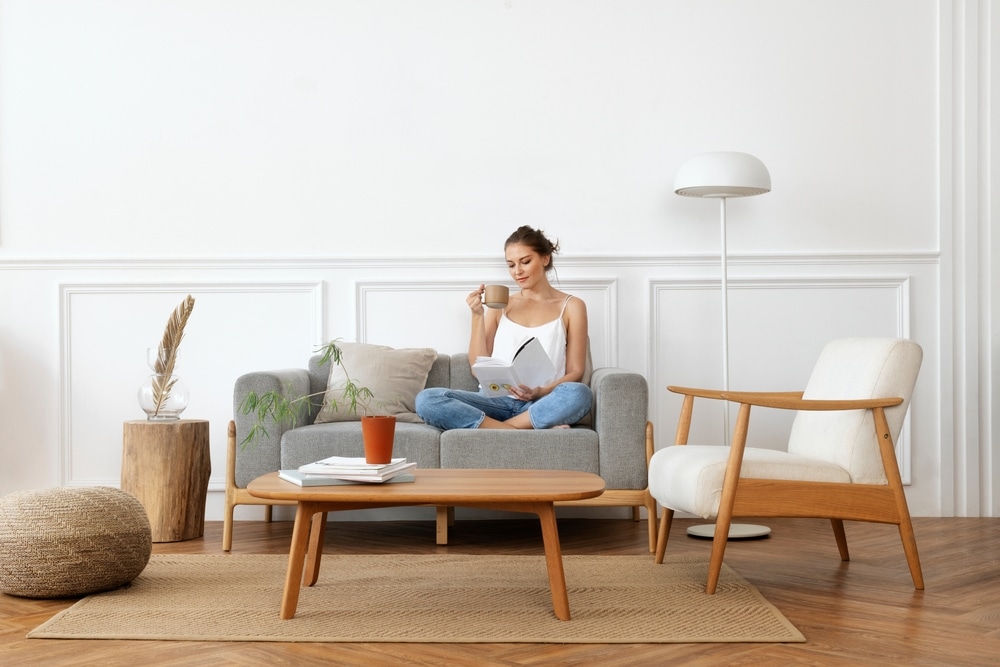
(166, 466)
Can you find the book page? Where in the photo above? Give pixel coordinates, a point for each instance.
(531, 367)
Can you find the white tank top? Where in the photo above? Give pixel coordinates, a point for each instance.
(510, 336)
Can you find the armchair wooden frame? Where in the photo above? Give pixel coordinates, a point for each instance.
(747, 497)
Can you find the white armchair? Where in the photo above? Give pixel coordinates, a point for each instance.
(840, 463)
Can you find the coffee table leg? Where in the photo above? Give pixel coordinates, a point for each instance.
(553, 559)
(315, 552)
(296, 559)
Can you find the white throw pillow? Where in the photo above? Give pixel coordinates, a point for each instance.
(395, 377)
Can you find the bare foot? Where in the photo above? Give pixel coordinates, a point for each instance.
(561, 426)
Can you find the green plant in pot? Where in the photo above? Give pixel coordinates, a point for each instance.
(377, 431)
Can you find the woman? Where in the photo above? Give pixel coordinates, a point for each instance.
(556, 319)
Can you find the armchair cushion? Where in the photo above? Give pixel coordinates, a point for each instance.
(855, 368)
(394, 377)
(701, 492)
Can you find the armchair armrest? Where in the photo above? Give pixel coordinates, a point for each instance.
(620, 414)
(263, 455)
(793, 401)
(699, 393)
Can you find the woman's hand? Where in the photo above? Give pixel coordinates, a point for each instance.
(475, 300)
(484, 326)
(523, 392)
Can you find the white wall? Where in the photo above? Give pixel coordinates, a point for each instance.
(312, 169)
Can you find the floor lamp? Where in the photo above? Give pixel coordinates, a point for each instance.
(722, 175)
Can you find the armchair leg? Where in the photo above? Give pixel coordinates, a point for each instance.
(841, 537)
(724, 517)
(719, 542)
(910, 549)
(896, 485)
(661, 538)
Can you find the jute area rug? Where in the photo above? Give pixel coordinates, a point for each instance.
(427, 598)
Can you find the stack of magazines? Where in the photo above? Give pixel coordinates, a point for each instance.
(349, 470)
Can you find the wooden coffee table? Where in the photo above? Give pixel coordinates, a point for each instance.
(533, 491)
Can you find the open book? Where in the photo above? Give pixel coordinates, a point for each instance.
(530, 367)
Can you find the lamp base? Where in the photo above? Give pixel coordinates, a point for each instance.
(737, 531)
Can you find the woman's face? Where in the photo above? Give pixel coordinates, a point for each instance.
(526, 266)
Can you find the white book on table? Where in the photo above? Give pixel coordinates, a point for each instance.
(348, 465)
(296, 477)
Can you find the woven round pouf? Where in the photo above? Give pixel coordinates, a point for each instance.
(67, 542)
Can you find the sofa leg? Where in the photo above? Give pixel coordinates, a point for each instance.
(651, 521)
(227, 528)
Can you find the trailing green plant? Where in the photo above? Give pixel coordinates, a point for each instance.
(275, 405)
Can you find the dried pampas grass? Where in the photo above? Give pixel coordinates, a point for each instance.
(166, 357)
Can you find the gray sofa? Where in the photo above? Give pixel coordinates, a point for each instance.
(615, 443)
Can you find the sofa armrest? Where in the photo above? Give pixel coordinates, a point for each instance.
(620, 413)
(263, 455)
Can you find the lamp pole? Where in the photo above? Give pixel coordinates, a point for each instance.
(725, 317)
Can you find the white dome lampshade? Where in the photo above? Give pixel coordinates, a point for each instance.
(722, 174)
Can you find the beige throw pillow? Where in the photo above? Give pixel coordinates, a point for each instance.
(394, 376)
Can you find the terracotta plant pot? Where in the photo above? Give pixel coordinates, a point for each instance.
(378, 432)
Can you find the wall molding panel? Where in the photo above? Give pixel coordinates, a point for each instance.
(809, 310)
(102, 365)
(654, 315)
(457, 262)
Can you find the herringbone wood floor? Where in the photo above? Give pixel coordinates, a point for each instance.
(864, 612)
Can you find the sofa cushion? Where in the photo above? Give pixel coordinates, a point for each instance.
(440, 374)
(319, 374)
(461, 373)
(415, 442)
(394, 377)
(552, 449)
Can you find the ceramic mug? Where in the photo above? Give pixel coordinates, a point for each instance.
(496, 296)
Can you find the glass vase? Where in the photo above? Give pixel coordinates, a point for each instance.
(163, 397)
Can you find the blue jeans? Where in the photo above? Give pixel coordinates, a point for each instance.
(447, 408)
